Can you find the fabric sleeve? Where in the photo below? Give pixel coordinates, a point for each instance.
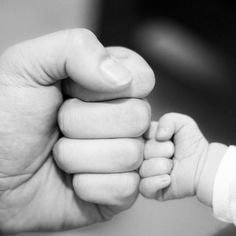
(224, 189)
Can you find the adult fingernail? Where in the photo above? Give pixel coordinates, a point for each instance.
(118, 74)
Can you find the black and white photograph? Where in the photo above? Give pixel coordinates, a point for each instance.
(117, 118)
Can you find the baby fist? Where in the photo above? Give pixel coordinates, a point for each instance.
(182, 160)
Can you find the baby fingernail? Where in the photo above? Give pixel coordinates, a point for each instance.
(161, 132)
(165, 179)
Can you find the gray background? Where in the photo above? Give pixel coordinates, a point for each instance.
(20, 20)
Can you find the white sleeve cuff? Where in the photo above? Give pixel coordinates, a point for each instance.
(222, 189)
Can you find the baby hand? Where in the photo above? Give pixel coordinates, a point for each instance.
(173, 153)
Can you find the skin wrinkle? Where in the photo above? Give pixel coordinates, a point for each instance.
(31, 165)
(188, 140)
(193, 149)
(29, 125)
(22, 72)
(200, 164)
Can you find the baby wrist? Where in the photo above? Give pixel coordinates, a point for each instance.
(208, 171)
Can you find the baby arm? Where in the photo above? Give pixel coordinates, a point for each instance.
(178, 160)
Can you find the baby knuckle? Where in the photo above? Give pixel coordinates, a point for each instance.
(60, 153)
(166, 165)
(162, 165)
(187, 119)
(170, 148)
(170, 165)
(167, 117)
(148, 149)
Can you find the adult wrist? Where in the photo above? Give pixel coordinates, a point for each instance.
(214, 155)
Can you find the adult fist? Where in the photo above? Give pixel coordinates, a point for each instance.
(103, 162)
(34, 193)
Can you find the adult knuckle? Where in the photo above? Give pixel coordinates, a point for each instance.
(80, 186)
(11, 52)
(135, 153)
(79, 37)
(13, 58)
(144, 188)
(65, 115)
(130, 185)
(59, 153)
(86, 34)
(141, 113)
(150, 83)
(7, 53)
(76, 181)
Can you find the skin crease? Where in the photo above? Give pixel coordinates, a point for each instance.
(179, 161)
(36, 195)
(189, 147)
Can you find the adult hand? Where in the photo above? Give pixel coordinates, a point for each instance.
(35, 194)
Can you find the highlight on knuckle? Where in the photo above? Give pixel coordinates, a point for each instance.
(142, 170)
(135, 154)
(150, 84)
(79, 37)
(170, 149)
(129, 187)
(148, 149)
(162, 165)
(79, 186)
(166, 117)
(65, 116)
(86, 34)
(141, 113)
(59, 153)
(144, 188)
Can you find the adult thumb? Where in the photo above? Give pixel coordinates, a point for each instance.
(74, 53)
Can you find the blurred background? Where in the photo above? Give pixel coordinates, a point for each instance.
(191, 47)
